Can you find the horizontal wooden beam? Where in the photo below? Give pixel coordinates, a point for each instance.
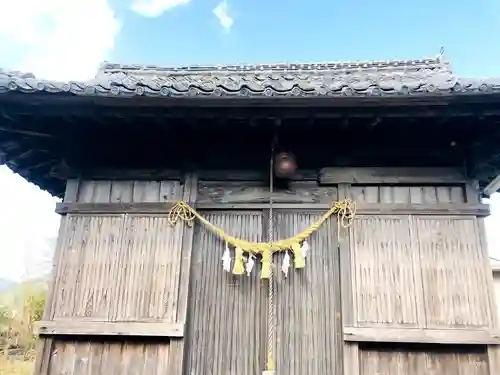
(238, 175)
(466, 209)
(398, 106)
(329, 175)
(417, 335)
(388, 175)
(66, 172)
(492, 187)
(362, 209)
(262, 206)
(91, 328)
(114, 208)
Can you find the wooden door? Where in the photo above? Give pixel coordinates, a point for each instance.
(228, 321)
(227, 328)
(308, 306)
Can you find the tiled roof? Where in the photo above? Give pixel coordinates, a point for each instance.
(387, 78)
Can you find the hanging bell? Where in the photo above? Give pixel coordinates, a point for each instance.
(285, 165)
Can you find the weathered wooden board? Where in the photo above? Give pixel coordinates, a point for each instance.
(120, 356)
(114, 208)
(119, 268)
(226, 331)
(308, 305)
(496, 287)
(351, 358)
(164, 208)
(419, 335)
(494, 359)
(254, 192)
(386, 272)
(81, 327)
(127, 191)
(454, 272)
(387, 175)
(114, 174)
(418, 360)
(420, 271)
(408, 195)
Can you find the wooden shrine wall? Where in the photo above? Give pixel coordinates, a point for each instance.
(418, 278)
(132, 295)
(118, 277)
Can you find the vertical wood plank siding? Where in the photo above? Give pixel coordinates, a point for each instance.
(496, 286)
(118, 268)
(227, 314)
(308, 306)
(111, 357)
(407, 194)
(420, 360)
(420, 271)
(386, 288)
(103, 191)
(121, 268)
(454, 271)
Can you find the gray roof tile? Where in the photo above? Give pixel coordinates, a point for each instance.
(371, 78)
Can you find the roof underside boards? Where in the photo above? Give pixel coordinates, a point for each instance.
(38, 142)
(375, 78)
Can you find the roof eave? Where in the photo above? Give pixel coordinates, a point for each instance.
(274, 98)
(267, 81)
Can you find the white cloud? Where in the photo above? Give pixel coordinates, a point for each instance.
(155, 8)
(221, 11)
(27, 226)
(54, 39)
(57, 39)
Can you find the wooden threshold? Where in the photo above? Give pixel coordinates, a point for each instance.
(91, 328)
(419, 335)
(362, 209)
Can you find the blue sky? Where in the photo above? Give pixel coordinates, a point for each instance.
(67, 40)
(275, 31)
